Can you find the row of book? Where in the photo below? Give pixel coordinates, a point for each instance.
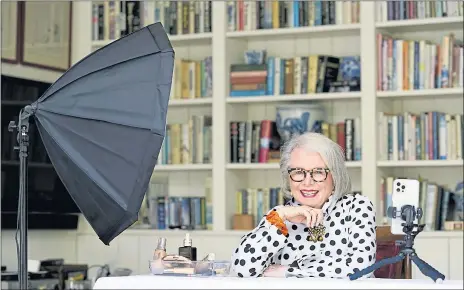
(184, 17)
(258, 201)
(347, 134)
(174, 212)
(425, 136)
(251, 15)
(188, 143)
(405, 10)
(192, 79)
(161, 211)
(405, 64)
(254, 142)
(439, 203)
(259, 141)
(114, 19)
(298, 75)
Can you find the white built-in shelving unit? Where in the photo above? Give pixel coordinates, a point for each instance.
(227, 47)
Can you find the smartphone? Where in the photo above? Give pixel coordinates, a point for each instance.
(405, 192)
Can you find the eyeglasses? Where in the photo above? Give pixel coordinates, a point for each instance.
(317, 174)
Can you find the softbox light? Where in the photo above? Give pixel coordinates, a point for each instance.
(103, 123)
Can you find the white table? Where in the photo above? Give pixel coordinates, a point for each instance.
(166, 282)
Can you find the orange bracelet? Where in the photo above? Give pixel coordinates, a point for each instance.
(274, 218)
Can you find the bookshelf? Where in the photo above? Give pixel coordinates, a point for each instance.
(226, 45)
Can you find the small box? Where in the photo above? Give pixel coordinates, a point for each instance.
(243, 222)
(189, 268)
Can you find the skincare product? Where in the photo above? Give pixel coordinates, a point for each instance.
(187, 250)
(160, 251)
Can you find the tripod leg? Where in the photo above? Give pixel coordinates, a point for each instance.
(377, 265)
(426, 269)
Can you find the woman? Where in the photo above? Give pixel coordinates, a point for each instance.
(323, 231)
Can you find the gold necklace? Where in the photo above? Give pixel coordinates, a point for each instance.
(316, 234)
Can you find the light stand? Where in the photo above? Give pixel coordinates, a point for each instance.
(23, 140)
(411, 230)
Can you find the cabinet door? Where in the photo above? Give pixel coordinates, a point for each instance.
(434, 251)
(456, 259)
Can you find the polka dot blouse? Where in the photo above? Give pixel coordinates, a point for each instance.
(349, 244)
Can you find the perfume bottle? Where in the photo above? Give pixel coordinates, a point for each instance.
(160, 251)
(187, 251)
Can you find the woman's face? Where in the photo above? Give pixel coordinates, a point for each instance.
(305, 189)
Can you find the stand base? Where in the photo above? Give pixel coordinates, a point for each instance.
(424, 267)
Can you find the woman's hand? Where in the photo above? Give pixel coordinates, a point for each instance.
(301, 214)
(277, 271)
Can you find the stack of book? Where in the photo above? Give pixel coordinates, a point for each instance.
(248, 80)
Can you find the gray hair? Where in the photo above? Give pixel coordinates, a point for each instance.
(331, 153)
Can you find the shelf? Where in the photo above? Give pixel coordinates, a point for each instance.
(30, 73)
(427, 24)
(182, 167)
(432, 93)
(273, 166)
(295, 31)
(189, 38)
(289, 98)
(190, 102)
(420, 163)
(16, 103)
(29, 164)
(175, 39)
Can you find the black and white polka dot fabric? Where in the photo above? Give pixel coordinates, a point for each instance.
(349, 244)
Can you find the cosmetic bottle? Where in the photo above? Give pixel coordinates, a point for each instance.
(160, 251)
(187, 251)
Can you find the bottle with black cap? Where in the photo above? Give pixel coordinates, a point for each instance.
(187, 251)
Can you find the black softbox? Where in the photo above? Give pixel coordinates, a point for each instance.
(103, 123)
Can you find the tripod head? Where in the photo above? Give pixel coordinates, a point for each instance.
(408, 214)
(23, 124)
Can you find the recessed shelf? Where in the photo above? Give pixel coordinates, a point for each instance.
(295, 31)
(432, 93)
(29, 164)
(289, 98)
(419, 163)
(182, 167)
(16, 103)
(190, 102)
(427, 24)
(273, 166)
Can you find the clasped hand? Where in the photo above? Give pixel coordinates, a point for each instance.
(301, 214)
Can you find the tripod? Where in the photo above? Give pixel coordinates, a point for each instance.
(411, 230)
(23, 140)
